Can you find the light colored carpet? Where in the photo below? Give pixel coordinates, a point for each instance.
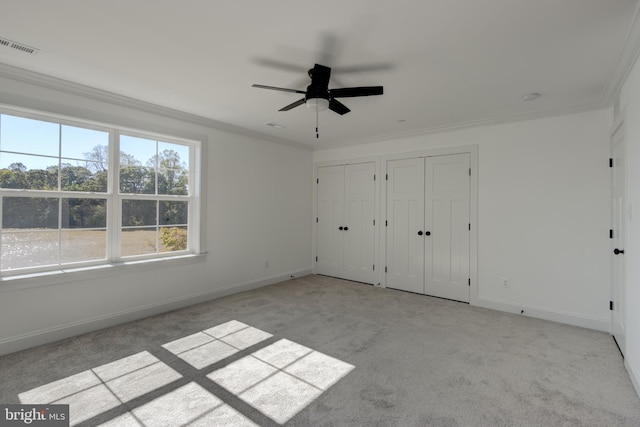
(418, 360)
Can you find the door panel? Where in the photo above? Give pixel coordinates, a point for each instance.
(618, 213)
(447, 218)
(405, 215)
(359, 207)
(330, 218)
(438, 244)
(459, 260)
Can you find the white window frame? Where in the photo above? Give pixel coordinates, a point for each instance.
(114, 200)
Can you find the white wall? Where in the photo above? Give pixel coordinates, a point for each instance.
(258, 208)
(543, 212)
(630, 111)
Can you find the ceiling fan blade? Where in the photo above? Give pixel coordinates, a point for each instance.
(292, 105)
(338, 107)
(281, 89)
(330, 47)
(349, 69)
(281, 65)
(320, 75)
(349, 92)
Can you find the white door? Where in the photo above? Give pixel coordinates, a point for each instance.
(618, 295)
(447, 226)
(405, 219)
(358, 227)
(330, 210)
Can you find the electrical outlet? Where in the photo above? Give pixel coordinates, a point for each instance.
(506, 282)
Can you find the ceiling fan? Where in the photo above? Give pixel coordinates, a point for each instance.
(319, 95)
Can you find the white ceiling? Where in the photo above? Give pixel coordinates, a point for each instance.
(443, 63)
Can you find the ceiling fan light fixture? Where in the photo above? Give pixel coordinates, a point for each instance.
(320, 104)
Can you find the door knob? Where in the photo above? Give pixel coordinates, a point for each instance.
(340, 228)
(419, 233)
(427, 233)
(618, 251)
(346, 228)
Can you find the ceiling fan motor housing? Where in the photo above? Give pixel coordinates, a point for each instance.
(319, 87)
(314, 91)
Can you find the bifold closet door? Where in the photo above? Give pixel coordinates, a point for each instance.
(447, 219)
(405, 219)
(359, 213)
(330, 209)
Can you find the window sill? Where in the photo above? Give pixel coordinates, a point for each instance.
(54, 277)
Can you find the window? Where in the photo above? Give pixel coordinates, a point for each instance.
(74, 194)
(155, 205)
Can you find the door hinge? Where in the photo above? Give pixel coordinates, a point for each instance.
(374, 222)
(386, 223)
(469, 171)
(611, 234)
(611, 305)
(374, 176)
(469, 282)
(385, 269)
(316, 219)
(386, 177)
(316, 259)
(610, 163)
(317, 180)
(469, 226)
(374, 267)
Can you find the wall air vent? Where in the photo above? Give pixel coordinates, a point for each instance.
(18, 46)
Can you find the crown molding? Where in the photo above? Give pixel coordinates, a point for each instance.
(72, 88)
(627, 58)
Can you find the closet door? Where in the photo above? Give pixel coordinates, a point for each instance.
(330, 220)
(447, 220)
(618, 211)
(405, 225)
(358, 229)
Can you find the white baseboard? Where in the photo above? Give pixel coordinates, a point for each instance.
(44, 336)
(541, 313)
(635, 379)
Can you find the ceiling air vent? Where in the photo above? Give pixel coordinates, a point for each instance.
(18, 46)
